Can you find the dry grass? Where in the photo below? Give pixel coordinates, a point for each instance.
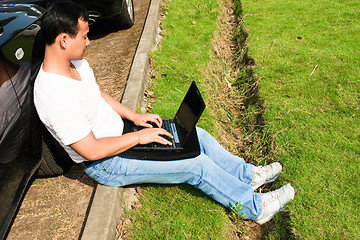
(230, 102)
(236, 103)
(226, 103)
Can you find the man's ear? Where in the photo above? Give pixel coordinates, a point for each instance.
(63, 40)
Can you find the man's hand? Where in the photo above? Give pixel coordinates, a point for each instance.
(143, 119)
(149, 135)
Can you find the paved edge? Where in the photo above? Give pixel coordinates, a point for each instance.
(108, 204)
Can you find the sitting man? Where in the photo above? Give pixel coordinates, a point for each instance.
(88, 123)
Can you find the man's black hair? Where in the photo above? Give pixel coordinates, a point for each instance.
(62, 17)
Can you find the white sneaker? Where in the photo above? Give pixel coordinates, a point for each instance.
(275, 201)
(266, 174)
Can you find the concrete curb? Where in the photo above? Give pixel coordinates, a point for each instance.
(134, 91)
(108, 203)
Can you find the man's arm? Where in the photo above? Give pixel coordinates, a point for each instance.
(126, 113)
(94, 149)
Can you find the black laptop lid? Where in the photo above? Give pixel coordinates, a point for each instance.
(190, 111)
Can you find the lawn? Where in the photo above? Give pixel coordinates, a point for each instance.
(298, 74)
(308, 61)
(181, 211)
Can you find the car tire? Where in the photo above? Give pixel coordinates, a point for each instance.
(54, 160)
(126, 18)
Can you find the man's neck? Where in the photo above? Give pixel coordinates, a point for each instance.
(55, 63)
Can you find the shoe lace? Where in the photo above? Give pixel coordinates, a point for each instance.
(262, 171)
(270, 197)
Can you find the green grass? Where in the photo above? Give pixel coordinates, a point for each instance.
(181, 211)
(307, 59)
(184, 51)
(307, 62)
(178, 212)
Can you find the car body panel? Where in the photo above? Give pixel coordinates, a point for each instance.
(19, 24)
(106, 8)
(20, 128)
(15, 18)
(20, 147)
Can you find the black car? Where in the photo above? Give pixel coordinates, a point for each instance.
(26, 148)
(120, 12)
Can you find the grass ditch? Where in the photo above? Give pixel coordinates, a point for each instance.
(199, 44)
(295, 99)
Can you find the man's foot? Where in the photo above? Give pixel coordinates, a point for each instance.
(275, 201)
(266, 174)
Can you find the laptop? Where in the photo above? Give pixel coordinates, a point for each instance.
(182, 127)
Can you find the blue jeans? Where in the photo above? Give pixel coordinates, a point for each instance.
(216, 172)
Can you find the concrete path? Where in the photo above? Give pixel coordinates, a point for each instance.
(109, 203)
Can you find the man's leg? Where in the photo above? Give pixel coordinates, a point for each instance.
(235, 165)
(232, 164)
(201, 172)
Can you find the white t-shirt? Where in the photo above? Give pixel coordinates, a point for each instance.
(70, 109)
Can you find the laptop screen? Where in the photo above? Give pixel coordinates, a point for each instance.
(190, 110)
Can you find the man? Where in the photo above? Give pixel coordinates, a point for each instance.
(88, 123)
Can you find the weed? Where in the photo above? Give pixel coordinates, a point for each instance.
(235, 209)
(201, 8)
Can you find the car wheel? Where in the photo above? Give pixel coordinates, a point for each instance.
(54, 160)
(127, 17)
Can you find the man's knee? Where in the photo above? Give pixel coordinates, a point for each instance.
(202, 162)
(201, 133)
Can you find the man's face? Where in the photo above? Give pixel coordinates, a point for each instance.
(78, 44)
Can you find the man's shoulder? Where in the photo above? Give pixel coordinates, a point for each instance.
(44, 78)
(49, 83)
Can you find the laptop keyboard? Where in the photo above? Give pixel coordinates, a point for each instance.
(169, 126)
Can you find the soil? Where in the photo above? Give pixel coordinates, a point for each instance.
(55, 208)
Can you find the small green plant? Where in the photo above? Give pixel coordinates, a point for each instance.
(235, 214)
(202, 8)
